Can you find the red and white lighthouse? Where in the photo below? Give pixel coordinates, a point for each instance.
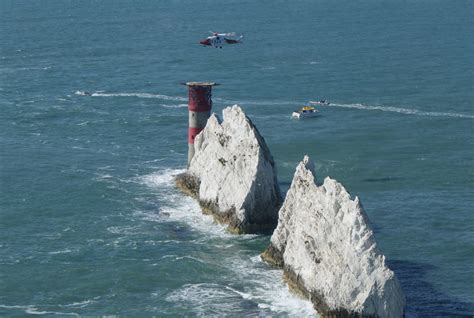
(199, 106)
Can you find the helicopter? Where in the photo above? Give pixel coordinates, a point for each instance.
(217, 40)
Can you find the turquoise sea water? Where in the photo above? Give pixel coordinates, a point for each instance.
(90, 222)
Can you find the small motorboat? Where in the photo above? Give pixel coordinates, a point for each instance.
(321, 102)
(83, 93)
(305, 112)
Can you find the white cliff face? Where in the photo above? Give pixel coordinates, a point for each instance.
(325, 243)
(236, 171)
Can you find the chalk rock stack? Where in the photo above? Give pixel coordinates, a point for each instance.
(327, 250)
(233, 175)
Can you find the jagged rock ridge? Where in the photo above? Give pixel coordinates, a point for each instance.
(327, 250)
(233, 175)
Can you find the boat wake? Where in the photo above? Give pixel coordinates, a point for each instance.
(254, 102)
(139, 95)
(406, 111)
(393, 109)
(181, 98)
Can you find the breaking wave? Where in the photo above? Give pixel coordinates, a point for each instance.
(264, 294)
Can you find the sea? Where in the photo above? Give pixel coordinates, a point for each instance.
(93, 129)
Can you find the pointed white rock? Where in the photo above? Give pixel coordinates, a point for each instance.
(235, 173)
(327, 249)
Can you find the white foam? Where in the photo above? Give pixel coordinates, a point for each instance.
(14, 306)
(266, 287)
(175, 206)
(162, 178)
(274, 117)
(106, 168)
(187, 210)
(112, 180)
(32, 310)
(400, 110)
(207, 298)
(65, 251)
(124, 230)
(82, 304)
(174, 105)
(250, 102)
(179, 258)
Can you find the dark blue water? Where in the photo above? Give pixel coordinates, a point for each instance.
(90, 222)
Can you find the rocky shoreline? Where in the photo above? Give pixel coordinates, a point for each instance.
(232, 174)
(321, 236)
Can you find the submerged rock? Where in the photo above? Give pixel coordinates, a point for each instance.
(233, 175)
(326, 247)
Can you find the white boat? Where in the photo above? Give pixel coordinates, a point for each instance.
(305, 112)
(321, 102)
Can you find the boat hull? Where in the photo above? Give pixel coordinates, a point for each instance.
(304, 115)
